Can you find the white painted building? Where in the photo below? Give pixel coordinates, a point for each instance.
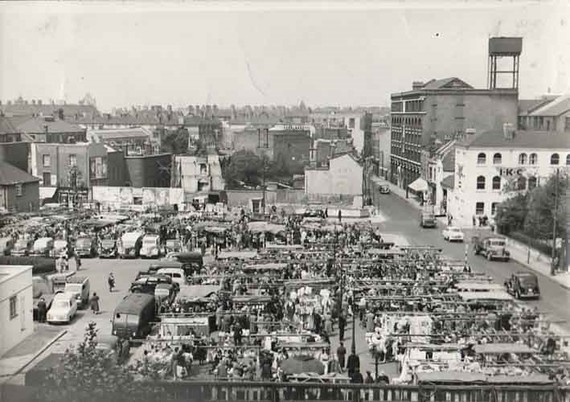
(343, 176)
(440, 166)
(16, 305)
(495, 165)
(197, 174)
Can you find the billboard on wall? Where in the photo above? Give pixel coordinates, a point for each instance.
(152, 196)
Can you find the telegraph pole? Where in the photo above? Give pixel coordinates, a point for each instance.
(554, 223)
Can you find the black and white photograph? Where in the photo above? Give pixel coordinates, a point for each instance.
(268, 201)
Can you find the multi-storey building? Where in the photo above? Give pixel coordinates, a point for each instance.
(438, 111)
(549, 113)
(492, 166)
(197, 174)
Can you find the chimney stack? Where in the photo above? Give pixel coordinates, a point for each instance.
(508, 131)
(417, 85)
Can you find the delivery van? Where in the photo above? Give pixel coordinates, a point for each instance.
(130, 245)
(79, 286)
(133, 317)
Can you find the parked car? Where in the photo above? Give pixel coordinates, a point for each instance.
(453, 233)
(177, 274)
(6, 245)
(42, 247)
(384, 189)
(164, 292)
(22, 247)
(147, 284)
(63, 308)
(86, 246)
(523, 285)
(150, 247)
(130, 244)
(427, 220)
(108, 248)
(80, 287)
(119, 349)
(173, 246)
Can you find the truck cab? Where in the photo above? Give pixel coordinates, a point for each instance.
(427, 219)
(491, 247)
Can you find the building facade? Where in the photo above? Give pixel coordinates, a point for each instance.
(12, 147)
(495, 165)
(69, 165)
(342, 176)
(549, 113)
(19, 191)
(438, 111)
(132, 141)
(196, 174)
(49, 129)
(16, 305)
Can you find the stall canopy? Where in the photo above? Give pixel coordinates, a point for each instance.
(491, 296)
(419, 185)
(451, 377)
(265, 227)
(239, 255)
(197, 292)
(270, 266)
(302, 364)
(500, 348)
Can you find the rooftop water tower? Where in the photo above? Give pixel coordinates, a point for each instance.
(501, 51)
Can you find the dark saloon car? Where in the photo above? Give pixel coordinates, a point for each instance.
(523, 285)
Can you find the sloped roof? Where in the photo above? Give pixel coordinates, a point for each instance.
(111, 134)
(10, 175)
(556, 107)
(6, 126)
(527, 106)
(522, 139)
(48, 109)
(36, 125)
(448, 182)
(444, 83)
(448, 161)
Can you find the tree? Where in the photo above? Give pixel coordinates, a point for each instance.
(539, 220)
(175, 142)
(511, 214)
(243, 167)
(89, 374)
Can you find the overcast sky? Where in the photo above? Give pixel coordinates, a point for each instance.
(322, 53)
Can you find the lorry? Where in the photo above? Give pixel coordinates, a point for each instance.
(150, 246)
(86, 246)
(491, 247)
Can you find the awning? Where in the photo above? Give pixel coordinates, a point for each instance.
(47, 192)
(419, 185)
(448, 182)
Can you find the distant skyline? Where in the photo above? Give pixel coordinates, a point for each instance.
(327, 53)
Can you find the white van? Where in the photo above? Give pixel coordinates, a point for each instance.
(150, 246)
(80, 288)
(177, 274)
(63, 308)
(130, 244)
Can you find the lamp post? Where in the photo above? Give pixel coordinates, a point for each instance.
(554, 223)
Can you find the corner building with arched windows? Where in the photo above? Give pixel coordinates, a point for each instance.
(495, 165)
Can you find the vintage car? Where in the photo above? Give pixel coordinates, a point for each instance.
(147, 284)
(150, 247)
(173, 246)
(86, 246)
(22, 247)
(42, 247)
(453, 233)
(6, 245)
(108, 248)
(523, 285)
(491, 247)
(63, 308)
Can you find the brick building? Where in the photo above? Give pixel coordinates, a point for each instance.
(19, 190)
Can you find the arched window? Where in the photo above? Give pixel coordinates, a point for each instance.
(497, 159)
(554, 159)
(521, 183)
(496, 183)
(522, 159)
(532, 182)
(481, 183)
(532, 159)
(481, 158)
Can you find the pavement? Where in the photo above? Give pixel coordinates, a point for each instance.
(527, 256)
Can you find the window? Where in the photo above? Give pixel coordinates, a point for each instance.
(568, 160)
(567, 124)
(532, 159)
(522, 159)
(521, 183)
(19, 190)
(494, 208)
(496, 183)
(13, 307)
(554, 159)
(46, 160)
(497, 159)
(481, 158)
(532, 182)
(479, 208)
(351, 122)
(47, 179)
(72, 160)
(481, 183)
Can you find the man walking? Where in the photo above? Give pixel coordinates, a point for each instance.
(77, 262)
(341, 326)
(42, 310)
(94, 302)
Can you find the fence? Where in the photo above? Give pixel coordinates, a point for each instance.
(276, 392)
